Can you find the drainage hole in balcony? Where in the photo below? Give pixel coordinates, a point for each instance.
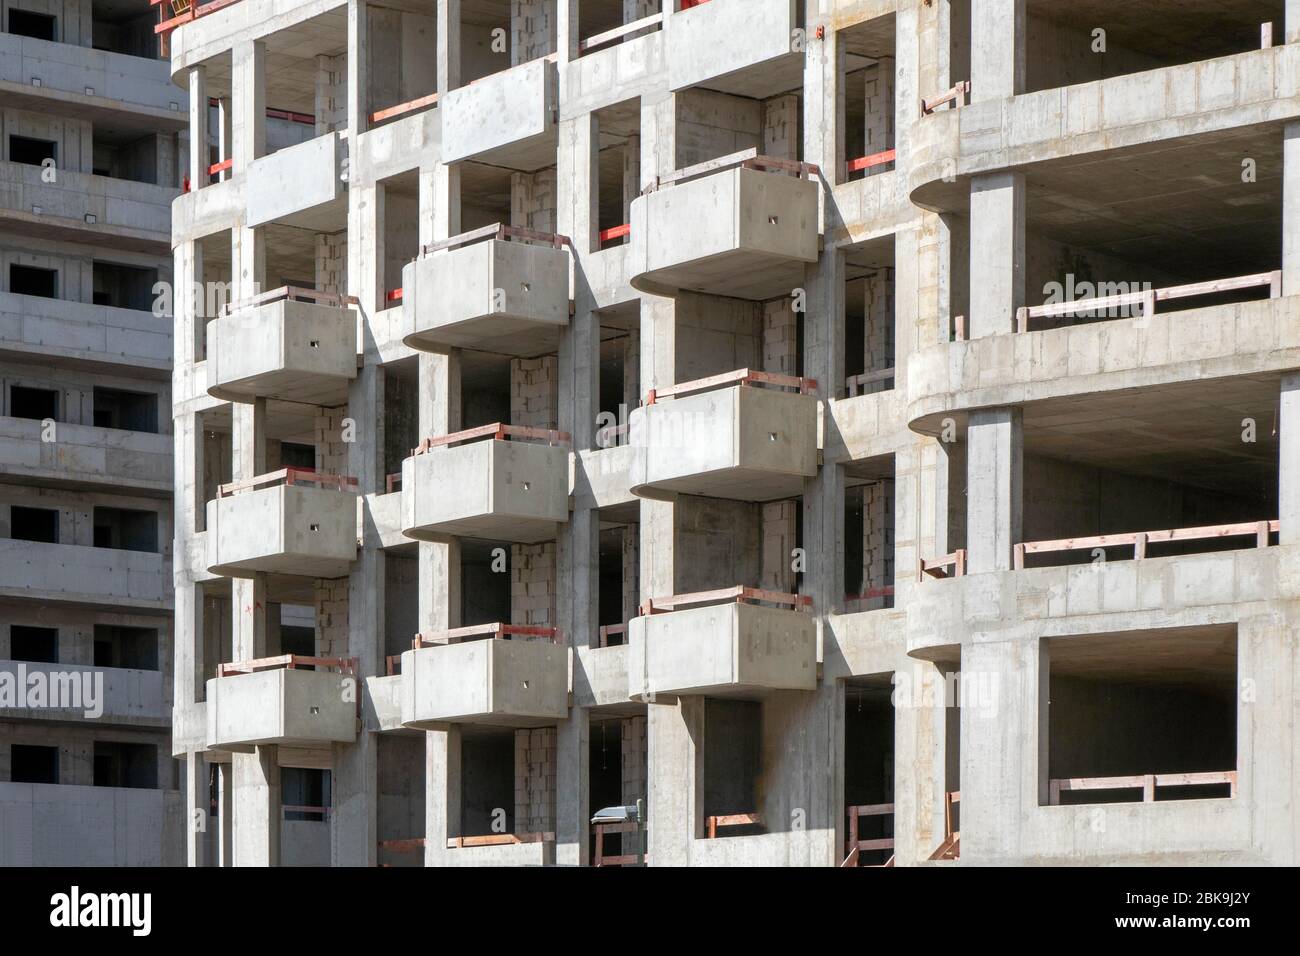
(314, 343)
(315, 527)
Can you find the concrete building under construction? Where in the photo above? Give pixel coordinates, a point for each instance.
(854, 432)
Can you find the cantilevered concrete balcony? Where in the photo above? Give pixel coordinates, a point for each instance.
(722, 437)
(515, 676)
(273, 701)
(744, 47)
(290, 521)
(735, 648)
(295, 345)
(481, 291)
(481, 484)
(744, 226)
(506, 119)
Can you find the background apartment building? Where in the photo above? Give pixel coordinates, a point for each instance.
(632, 401)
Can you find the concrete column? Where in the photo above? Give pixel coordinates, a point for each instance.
(824, 101)
(994, 488)
(257, 807)
(359, 66)
(248, 89)
(1291, 209)
(998, 40)
(1288, 475)
(225, 818)
(248, 595)
(997, 252)
(225, 134)
(248, 262)
(658, 136)
(1293, 21)
(674, 739)
(449, 23)
(439, 560)
(196, 809)
(198, 173)
(566, 32)
(441, 792)
(631, 174)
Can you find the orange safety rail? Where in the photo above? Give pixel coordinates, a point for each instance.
(598, 40)
(856, 845)
(401, 109)
(496, 631)
(1147, 783)
(189, 12)
(870, 594)
(609, 630)
(393, 665)
(601, 830)
(344, 665)
(498, 231)
(500, 839)
(1138, 540)
(738, 595)
(497, 432)
(938, 567)
(950, 848)
(875, 159)
(1148, 298)
(742, 376)
(958, 92)
(615, 232)
(290, 293)
(745, 159)
(220, 167)
(393, 295)
(688, 4)
(393, 482)
(858, 383)
(408, 845)
(732, 820)
(305, 119)
(289, 476)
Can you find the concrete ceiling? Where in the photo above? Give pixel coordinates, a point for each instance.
(1179, 206)
(1180, 30)
(290, 61)
(1203, 656)
(1188, 432)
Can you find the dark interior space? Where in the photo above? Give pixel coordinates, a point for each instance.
(126, 529)
(485, 582)
(38, 26)
(305, 787)
(34, 524)
(35, 644)
(869, 760)
(487, 782)
(118, 645)
(31, 151)
(33, 280)
(131, 411)
(126, 765)
(30, 763)
(733, 747)
(39, 404)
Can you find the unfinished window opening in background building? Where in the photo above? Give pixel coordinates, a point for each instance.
(487, 782)
(38, 26)
(869, 318)
(122, 153)
(131, 411)
(34, 524)
(32, 151)
(1142, 716)
(124, 287)
(869, 71)
(126, 529)
(617, 172)
(869, 770)
(135, 648)
(1065, 48)
(39, 404)
(485, 582)
(123, 29)
(1121, 478)
(305, 794)
(733, 766)
(34, 644)
(297, 455)
(620, 592)
(126, 765)
(869, 572)
(32, 763)
(401, 233)
(401, 417)
(33, 280)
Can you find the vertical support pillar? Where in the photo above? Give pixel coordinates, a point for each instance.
(197, 821)
(248, 90)
(257, 807)
(225, 818)
(442, 774)
(1288, 477)
(198, 172)
(1291, 209)
(998, 42)
(449, 21)
(994, 492)
(824, 102)
(997, 252)
(358, 67)
(225, 134)
(1293, 21)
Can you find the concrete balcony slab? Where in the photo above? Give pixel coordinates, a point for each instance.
(500, 490)
(739, 231)
(284, 348)
(284, 705)
(733, 649)
(289, 528)
(743, 47)
(513, 683)
(506, 119)
(741, 443)
(497, 296)
(301, 185)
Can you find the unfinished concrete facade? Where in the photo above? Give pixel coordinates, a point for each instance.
(91, 140)
(689, 403)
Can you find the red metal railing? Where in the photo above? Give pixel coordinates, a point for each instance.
(743, 376)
